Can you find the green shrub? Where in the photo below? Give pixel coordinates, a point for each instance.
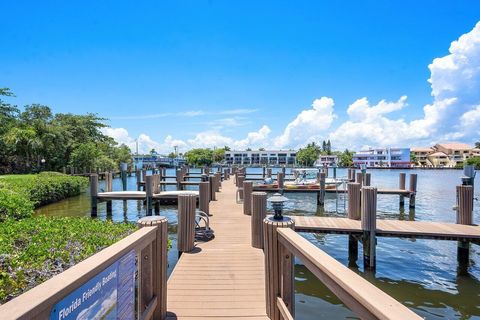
(35, 249)
(44, 188)
(14, 205)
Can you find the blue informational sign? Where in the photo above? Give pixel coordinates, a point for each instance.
(109, 295)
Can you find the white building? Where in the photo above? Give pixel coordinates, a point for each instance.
(326, 160)
(388, 157)
(259, 157)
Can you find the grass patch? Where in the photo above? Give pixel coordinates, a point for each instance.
(33, 250)
(20, 194)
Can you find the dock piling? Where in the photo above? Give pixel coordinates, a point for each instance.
(413, 190)
(369, 225)
(269, 173)
(93, 194)
(240, 180)
(280, 180)
(354, 201)
(321, 192)
(401, 186)
(218, 181)
(247, 197)
(159, 266)
(368, 179)
(259, 210)
(186, 222)
(464, 216)
(211, 183)
(204, 197)
(359, 178)
(109, 188)
(278, 267)
(149, 194)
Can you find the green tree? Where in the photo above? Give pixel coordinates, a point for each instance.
(329, 147)
(477, 144)
(474, 161)
(218, 155)
(226, 148)
(104, 163)
(261, 149)
(172, 155)
(413, 158)
(346, 159)
(308, 155)
(199, 157)
(85, 155)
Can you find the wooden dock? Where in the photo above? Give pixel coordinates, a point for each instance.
(390, 228)
(225, 277)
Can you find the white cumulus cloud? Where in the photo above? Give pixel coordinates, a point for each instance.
(308, 124)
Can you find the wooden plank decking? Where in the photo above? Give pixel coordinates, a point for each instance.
(225, 277)
(391, 228)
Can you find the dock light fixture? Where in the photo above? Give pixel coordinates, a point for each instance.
(278, 202)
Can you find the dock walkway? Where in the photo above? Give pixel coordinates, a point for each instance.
(390, 228)
(225, 277)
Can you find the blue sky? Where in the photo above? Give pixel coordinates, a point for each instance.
(181, 68)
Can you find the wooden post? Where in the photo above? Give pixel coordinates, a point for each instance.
(401, 186)
(123, 175)
(321, 193)
(247, 197)
(280, 180)
(369, 225)
(211, 183)
(353, 175)
(368, 179)
(218, 178)
(264, 172)
(179, 176)
(138, 176)
(144, 175)
(413, 190)
(464, 216)
(149, 194)
(186, 222)
(359, 178)
(240, 180)
(284, 170)
(159, 267)
(109, 188)
(259, 210)
(204, 197)
(354, 201)
(269, 172)
(225, 174)
(278, 267)
(93, 194)
(156, 190)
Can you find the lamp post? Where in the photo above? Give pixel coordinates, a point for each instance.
(43, 164)
(278, 203)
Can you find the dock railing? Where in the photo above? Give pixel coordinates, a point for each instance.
(282, 244)
(149, 244)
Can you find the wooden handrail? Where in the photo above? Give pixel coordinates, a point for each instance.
(362, 297)
(38, 301)
(282, 307)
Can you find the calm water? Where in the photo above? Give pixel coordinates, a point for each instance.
(421, 274)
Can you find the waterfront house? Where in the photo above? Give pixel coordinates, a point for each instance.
(444, 154)
(326, 160)
(386, 157)
(261, 157)
(421, 155)
(438, 159)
